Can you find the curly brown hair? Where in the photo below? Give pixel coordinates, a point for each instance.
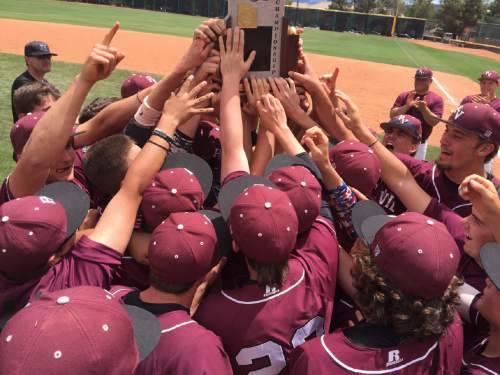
(387, 306)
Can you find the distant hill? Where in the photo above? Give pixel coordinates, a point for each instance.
(317, 4)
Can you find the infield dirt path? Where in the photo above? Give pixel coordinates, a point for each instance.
(373, 86)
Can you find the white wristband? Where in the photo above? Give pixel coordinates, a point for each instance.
(467, 293)
(146, 115)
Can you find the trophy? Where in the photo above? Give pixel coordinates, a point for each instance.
(267, 33)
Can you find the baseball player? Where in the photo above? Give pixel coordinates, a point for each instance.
(470, 141)
(488, 84)
(484, 358)
(34, 97)
(402, 134)
(182, 251)
(410, 328)
(81, 330)
(136, 83)
(288, 295)
(38, 59)
(421, 103)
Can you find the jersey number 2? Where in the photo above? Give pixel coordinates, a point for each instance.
(274, 352)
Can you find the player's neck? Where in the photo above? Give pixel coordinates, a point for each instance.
(457, 175)
(492, 349)
(152, 295)
(35, 74)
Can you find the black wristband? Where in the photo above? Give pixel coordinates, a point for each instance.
(159, 145)
(163, 136)
(370, 145)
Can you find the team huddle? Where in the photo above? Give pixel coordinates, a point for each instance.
(216, 223)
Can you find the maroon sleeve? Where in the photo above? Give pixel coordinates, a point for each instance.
(449, 218)
(307, 359)
(437, 105)
(88, 263)
(400, 100)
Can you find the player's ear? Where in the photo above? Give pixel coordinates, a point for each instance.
(484, 149)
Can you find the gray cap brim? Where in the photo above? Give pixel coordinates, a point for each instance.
(147, 329)
(361, 212)
(74, 200)
(490, 259)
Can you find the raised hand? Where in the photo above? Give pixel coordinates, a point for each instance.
(196, 55)
(271, 112)
(421, 105)
(181, 106)
(102, 60)
(480, 99)
(483, 195)
(233, 65)
(351, 117)
(286, 93)
(209, 68)
(317, 142)
(210, 30)
(255, 88)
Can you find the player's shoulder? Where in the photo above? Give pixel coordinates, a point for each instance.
(475, 363)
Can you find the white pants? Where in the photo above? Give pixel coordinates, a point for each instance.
(421, 151)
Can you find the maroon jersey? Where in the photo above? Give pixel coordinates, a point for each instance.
(185, 347)
(434, 181)
(495, 103)
(388, 200)
(88, 263)
(260, 326)
(434, 103)
(474, 363)
(337, 354)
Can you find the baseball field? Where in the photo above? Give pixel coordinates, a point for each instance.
(373, 69)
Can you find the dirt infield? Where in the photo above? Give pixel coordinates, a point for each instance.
(373, 86)
(453, 48)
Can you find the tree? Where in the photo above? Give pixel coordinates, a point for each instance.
(421, 9)
(338, 4)
(474, 11)
(495, 9)
(451, 15)
(364, 6)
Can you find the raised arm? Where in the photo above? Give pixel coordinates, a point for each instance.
(394, 173)
(233, 69)
(117, 115)
(52, 134)
(117, 222)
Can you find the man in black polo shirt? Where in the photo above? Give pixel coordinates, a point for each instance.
(38, 57)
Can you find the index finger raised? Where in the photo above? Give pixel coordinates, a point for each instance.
(111, 34)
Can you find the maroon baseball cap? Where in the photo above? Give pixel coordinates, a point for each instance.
(206, 142)
(183, 248)
(33, 228)
(423, 73)
(409, 124)
(477, 118)
(22, 129)
(490, 259)
(304, 191)
(261, 217)
(489, 75)
(82, 330)
(357, 164)
(415, 253)
(182, 185)
(135, 83)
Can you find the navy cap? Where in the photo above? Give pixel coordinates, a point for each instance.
(37, 48)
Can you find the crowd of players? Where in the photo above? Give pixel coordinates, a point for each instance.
(209, 223)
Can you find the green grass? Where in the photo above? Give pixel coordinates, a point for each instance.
(361, 47)
(61, 76)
